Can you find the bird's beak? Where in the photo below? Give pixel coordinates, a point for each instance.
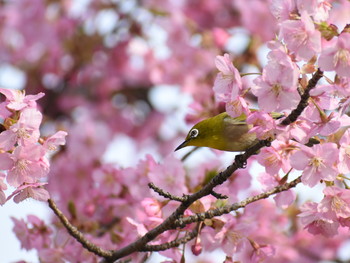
(184, 144)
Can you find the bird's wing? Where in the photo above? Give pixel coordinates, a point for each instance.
(235, 121)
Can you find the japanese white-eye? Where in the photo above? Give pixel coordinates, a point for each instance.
(222, 132)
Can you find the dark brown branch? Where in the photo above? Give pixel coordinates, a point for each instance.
(218, 195)
(174, 243)
(304, 99)
(206, 190)
(175, 220)
(165, 194)
(240, 162)
(200, 217)
(74, 232)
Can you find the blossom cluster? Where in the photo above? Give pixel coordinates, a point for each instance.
(299, 50)
(24, 153)
(99, 84)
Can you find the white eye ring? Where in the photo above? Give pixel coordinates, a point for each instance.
(194, 133)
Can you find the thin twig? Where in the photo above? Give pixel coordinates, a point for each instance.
(229, 208)
(218, 195)
(165, 194)
(175, 243)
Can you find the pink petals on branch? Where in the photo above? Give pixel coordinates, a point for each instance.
(326, 217)
(276, 89)
(317, 163)
(301, 37)
(264, 125)
(337, 56)
(33, 234)
(17, 100)
(59, 138)
(35, 191)
(22, 157)
(228, 82)
(28, 165)
(228, 87)
(315, 222)
(24, 132)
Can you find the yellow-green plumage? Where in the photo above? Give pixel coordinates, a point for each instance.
(221, 132)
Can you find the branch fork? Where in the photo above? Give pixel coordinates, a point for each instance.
(176, 219)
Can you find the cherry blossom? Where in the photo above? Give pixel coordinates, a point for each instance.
(28, 165)
(301, 37)
(276, 88)
(34, 190)
(237, 106)
(228, 82)
(34, 234)
(336, 56)
(263, 123)
(318, 9)
(25, 131)
(299, 130)
(17, 100)
(318, 162)
(335, 204)
(277, 156)
(52, 142)
(282, 9)
(316, 222)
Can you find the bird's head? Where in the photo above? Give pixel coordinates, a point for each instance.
(204, 134)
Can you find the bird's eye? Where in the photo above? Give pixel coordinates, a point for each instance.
(194, 133)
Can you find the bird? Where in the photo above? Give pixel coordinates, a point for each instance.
(222, 132)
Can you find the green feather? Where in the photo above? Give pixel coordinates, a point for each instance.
(223, 132)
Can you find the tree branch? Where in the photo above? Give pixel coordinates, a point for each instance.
(229, 208)
(74, 232)
(175, 220)
(218, 195)
(304, 99)
(175, 243)
(165, 194)
(169, 223)
(240, 161)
